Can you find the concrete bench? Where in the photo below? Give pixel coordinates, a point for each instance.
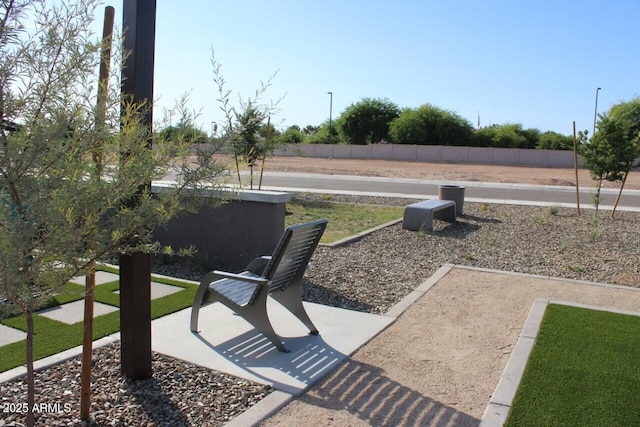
(419, 216)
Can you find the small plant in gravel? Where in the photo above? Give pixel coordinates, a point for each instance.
(491, 239)
(542, 220)
(575, 268)
(564, 245)
(553, 210)
(484, 207)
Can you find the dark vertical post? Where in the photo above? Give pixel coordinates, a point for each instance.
(139, 25)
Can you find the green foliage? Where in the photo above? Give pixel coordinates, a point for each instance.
(367, 121)
(322, 135)
(293, 135)
(246, 141)
(613, 147)
(504, 136)
(582, 371)
(429, 125)
(554, 141)
(188, 132)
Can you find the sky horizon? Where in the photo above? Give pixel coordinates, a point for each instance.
(497, 62)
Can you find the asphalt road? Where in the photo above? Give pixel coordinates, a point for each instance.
(474, 191)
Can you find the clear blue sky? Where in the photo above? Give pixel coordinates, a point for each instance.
(537, 63)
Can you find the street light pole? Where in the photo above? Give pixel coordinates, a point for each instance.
(330, 111)
(595, 114)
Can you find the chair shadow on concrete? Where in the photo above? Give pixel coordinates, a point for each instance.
(310, 359)
(366, 392)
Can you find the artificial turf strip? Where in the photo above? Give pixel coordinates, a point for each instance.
(52, 337)
(584, 370)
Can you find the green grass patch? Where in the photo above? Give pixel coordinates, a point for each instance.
(52, 337)
(344, 219)
(583, 370)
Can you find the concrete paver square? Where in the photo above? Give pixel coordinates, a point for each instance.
(10, 335)
(159, 290)
(102, 277)
(73, 312)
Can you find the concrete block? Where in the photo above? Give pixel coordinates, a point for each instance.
(419, 216)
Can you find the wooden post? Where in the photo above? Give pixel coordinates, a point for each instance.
(139, 24)
(90, 282)
(575, 166)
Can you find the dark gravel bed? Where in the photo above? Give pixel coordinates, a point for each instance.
(369, 275)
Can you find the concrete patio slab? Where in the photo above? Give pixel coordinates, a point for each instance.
(73, 312)
(159, 290)
(227, 343)
(102, 277)
(10, 335)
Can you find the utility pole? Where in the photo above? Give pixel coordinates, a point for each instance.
(595, 114)
(330, 111)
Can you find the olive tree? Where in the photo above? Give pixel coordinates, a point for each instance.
(66, 183)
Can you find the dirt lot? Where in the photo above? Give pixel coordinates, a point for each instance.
(441, 171)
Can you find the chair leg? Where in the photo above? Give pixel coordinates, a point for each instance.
(197, 302)
(256, 314)
(290, 298)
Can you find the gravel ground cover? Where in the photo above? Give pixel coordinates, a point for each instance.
(369, 275)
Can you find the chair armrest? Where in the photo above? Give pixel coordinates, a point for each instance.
(257, 265)
(240, 277)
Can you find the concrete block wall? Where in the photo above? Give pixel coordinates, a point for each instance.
(229, 236)
(435, 154)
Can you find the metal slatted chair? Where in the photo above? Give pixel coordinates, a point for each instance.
(279, 275)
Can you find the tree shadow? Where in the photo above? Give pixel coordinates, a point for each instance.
(155, 402)
(364, 391)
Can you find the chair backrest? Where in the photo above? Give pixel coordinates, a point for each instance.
(290, 258)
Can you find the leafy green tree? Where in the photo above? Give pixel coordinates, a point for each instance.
(612, 149)
(62, 207)
(531, 136)
(504, 136)
(429, 125)
(550, 140)
(367, 121)
(293, 135)
(324, 135)
(310, 130)
(188, 132)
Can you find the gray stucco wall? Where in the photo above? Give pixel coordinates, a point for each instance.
(232, 234)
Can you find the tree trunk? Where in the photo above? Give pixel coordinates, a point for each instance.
(31, 392)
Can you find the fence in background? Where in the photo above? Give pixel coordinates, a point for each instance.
(435, 154)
